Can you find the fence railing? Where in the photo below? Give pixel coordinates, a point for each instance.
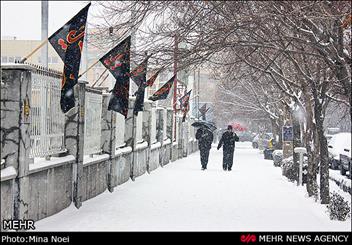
(47, 119)
(92, 123)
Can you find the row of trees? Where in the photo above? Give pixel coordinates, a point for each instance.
(286, 61)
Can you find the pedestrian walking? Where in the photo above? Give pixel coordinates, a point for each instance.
(205, 138)
(228, 142)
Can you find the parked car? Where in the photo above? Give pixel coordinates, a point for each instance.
(245, 136)
(264, 140)
(268, 140)
(269, 148)
(330, 132)
(336, 147)
(345, 163)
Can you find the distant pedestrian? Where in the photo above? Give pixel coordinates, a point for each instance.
(228, 142)
(205, 138)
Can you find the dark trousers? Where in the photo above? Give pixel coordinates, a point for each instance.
(227, 160)
(204, 156)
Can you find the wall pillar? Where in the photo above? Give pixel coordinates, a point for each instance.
(130, 133)
(108, 137)
(147, 127)
(74, 140)
(16, 90)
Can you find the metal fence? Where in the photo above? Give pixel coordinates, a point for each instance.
(92, 123)
(47, 119)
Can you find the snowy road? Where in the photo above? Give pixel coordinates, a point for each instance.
(181, 197)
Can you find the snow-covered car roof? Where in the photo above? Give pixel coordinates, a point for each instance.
(339, 142)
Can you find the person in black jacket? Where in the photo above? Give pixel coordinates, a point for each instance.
(205, 138)
(228, 141)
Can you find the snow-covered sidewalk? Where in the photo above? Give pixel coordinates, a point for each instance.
(254, 196)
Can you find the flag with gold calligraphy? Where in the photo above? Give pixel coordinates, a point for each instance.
(184, 104)
(163, 92)
(68, 43)
(117, 61)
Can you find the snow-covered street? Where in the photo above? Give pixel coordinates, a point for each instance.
(254, 196)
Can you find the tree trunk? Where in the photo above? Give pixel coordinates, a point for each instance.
(276, 132)
(324, 161)
(296, 142)
(309, 140)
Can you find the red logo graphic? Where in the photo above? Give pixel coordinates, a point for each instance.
(248, 238)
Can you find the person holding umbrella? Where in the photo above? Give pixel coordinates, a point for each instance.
(228, 141)
(205, 138)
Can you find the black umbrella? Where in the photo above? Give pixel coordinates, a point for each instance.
(206, 124)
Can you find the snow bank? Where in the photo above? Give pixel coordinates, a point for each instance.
(88, 160)
(123, 150)
(41, 163)
(142, 146)
(167, 141)
(8, 173)
(254, 196)
(155, 146)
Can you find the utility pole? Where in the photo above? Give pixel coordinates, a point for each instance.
(175, 83)
(44, 50)
(198, 93)
(85, 53)
(133, 86)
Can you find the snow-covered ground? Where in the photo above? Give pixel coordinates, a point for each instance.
(254, 196)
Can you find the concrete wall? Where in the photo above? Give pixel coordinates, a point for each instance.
(94, 180)
(50, 190)
(154, 156)
(121, 166)
(37, 188)
(7, 199)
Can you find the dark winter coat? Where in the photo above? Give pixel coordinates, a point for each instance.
(205, 138)
(228, 141)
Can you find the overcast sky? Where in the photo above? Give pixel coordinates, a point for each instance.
(23, 18)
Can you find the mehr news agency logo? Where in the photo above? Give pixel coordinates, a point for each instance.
(27, 225)
(294, 238)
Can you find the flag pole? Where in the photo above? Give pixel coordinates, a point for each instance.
(35, 50)
(89, 68)
(103, 80)
(99, 77)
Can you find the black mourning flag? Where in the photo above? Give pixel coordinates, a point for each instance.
(140, 74)
(117, 61)
(184, 104)
(163, 92)
(152, 79)
(203, 109)
(68, 43)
